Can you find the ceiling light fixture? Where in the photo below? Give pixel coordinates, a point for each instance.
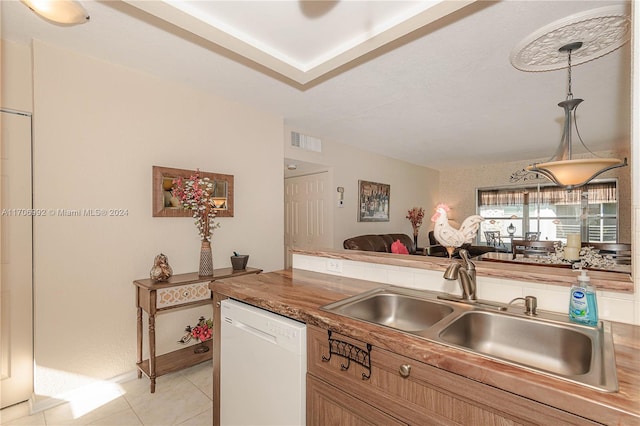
(561, 168)
(65, 12)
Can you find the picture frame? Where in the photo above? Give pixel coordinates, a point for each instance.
(164, 206)
(374, 201)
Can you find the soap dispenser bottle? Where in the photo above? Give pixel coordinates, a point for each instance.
(583, 306)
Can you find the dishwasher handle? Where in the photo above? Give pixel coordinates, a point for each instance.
(251, 330)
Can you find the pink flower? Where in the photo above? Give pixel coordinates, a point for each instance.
(202, 331)
(196, 194)
(415, 216)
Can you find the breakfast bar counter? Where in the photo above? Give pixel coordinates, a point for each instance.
(300, 294)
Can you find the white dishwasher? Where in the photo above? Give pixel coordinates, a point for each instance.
(263, 364)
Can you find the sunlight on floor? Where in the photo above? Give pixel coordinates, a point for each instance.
(87, 393)
(181, 398)
(93, 396)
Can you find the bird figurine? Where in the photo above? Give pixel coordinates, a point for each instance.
(160, 271)
(186, 338)
(450, 237)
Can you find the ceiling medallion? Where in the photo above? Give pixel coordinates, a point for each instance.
(601, 30)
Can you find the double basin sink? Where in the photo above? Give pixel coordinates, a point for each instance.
(547, 343)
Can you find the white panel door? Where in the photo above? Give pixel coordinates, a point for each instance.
(291, 209)
(308, 219)
(16, 295)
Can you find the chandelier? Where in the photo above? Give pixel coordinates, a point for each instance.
(63, 12)
(562, 169)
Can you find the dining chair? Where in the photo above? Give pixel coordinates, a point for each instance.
(532, 236)
(619, 252)
(493, 239)
(532, 248)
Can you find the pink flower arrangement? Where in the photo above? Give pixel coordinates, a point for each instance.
(415, 216)
(201, 332)
(195, 194)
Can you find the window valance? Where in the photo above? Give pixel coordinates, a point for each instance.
(500, 197)
(600, 192)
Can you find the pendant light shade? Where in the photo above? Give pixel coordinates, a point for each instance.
(576, 173)
(562, 169)
(65, 12)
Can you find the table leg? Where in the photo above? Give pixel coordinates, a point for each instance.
(152, 352)
(139, 327)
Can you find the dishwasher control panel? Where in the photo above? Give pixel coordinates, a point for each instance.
(280, 330)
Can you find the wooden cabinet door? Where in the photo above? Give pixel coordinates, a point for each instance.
(425, 394)
(329, 406)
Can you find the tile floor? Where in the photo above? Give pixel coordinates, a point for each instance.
(181, 398)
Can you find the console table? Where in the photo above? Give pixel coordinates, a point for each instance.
(181, 290)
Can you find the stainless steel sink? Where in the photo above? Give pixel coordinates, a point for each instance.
(393, 309)
(547, 344)
(554, 348)
(577, 353)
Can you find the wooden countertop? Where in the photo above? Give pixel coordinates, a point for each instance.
(299, 294)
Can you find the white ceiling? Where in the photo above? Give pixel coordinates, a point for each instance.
(426, 82)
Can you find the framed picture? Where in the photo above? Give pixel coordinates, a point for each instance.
(164, 205)
(374, 201)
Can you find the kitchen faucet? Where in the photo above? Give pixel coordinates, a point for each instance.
(465, 273)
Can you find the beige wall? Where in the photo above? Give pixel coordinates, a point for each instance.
(411, 186)
(16, 76)
(98, 130)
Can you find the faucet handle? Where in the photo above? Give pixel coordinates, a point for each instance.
(464, 255)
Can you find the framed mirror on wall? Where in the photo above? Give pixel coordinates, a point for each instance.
(165, 205)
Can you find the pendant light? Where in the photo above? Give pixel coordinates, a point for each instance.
(65, 12)
(561, 169)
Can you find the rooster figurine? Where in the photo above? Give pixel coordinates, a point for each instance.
(449, 236)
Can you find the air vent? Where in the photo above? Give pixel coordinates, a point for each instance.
(306, 142)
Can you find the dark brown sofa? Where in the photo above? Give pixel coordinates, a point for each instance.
(380, 243)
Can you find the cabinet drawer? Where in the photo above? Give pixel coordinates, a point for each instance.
(173, 296)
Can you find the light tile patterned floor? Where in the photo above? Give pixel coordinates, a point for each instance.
(181, 398)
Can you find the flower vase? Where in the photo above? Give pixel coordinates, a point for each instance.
(206, 260)
(415, 240)
(201, 348)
